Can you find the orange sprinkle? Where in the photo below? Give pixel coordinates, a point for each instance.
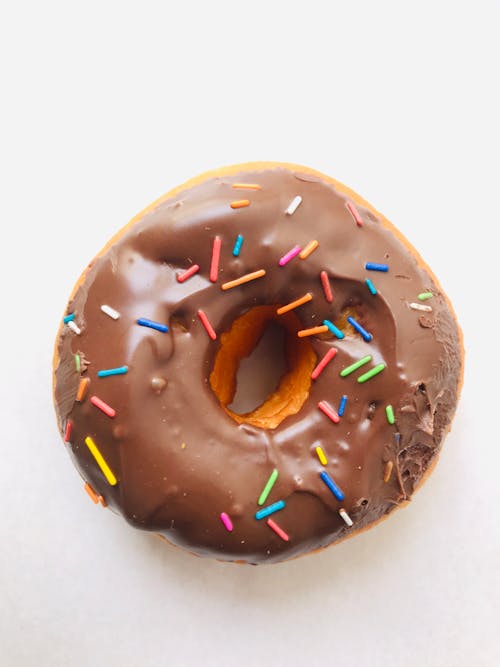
(388, 470)
(244, 279)
(82, 389)
(310, 247)
(240, 203)
(102, 501)
(311, 332)
(93, 495)
(246, 186)
(294, 304)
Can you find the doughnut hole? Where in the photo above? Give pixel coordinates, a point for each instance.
(239, 342)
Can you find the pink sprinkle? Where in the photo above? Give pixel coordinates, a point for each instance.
(279, 531)
(324, 363)
(108, 410)
(355, 213)
(188, 273)
(329, 411)
(67, 431)
(228, 524)
(214, 265)
(206, 323)
(325, 282)
(290, 255)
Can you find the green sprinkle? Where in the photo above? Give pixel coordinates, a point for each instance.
(354, 367)
(77, 362)
(390, 414)
(373, 371)
(425, 295)
(267, 489)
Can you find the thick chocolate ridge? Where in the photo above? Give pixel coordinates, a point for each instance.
(180, 460)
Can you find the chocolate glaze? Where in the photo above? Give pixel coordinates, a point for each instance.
(180, 460)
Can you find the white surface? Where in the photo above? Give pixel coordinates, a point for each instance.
(105, 106)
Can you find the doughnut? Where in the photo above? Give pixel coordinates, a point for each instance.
(149, 348)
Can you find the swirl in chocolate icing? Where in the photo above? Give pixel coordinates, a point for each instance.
(180, 459)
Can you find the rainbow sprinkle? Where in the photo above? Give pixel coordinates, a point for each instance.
(240, 203)
(355, 213)
(67, 430)
(243, 279)
(357, 326)
(82, 389)
(78, 364)
(267, 488)
(104, 407)
(310, 248)
(295, 304)
(389, 414)
(423, 296)
(420, 306)
(328, 411)
(237, 245)
(354, 367)
(290, 255)
(342, 405)
(69, 318)
(294, 205)
(246, 186)
(206, 323)
(110, 312)
(279, 531)
(74, 327)
(270, 509)
(346, 517)
(157, 326)
(321, 456)
(374, 266)
(324, 363)
(106, 470)
(371, 373)
(228, 524)
(182, 277)
(331, 485)
(121, 370)
(214, 264)
(388, 470)
(312, 331)
(335, 330)
(325, 283)
(371, 286)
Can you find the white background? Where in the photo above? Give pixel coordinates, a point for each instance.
(104, 107)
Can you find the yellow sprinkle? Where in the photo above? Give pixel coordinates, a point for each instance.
(310, 247)
(321, 456)
(294, 304)
(100, 461)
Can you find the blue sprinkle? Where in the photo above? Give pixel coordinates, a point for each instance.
(69, 318)
(152, 325)
(121, 370)
(366, 336)
(237, 245)
(373, 266)
(335, 330)
(331, 485)
(371, 286)
(270, 509)
(341, 409)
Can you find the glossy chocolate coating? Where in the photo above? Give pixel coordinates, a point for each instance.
(180, 460)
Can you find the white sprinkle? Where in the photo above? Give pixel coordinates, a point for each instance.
(74, 327)
(420, 306)
(346, 517)
(110, 311)
(294, 205)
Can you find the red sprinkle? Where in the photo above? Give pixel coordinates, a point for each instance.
(214, 265)
(355, 213)
(188, 273)
(108, 410)
(209, 328)
(329, 411)
(324, 363)
(67, 430)
(279, 531)
(325, 281)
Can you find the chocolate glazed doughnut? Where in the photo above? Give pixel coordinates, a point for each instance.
(147, 356)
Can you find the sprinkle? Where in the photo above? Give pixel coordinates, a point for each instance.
(102, 501)
(335, 330)
(321, 456)
(364, 334)
(310, 247)
(69, 318)
(342, 405)
(420, 306)
(67, 430)
(111, 312)
(181, 277)
(325, 282)
(279, 531)
(228, 524)
(323, 363)
(93, 495)
(74, 327)
(152, 325)
(373, 266)
(355, 213)
(371, 286)
(100, 461)
(329, 411)
(346, 517)
(107, 409)
(237, 245)
(78, 364)
(244, 279)
(423, 296)
(388, 470)
(206, 323)
(121, 370)
(331, 485)
(312, 331)
(390, 414)
(371, 373)
(240, 203)
(290, 255)
(294, 304)
(270, 509)
(246, 186)
(82, 389)
(294, 205)
(354, 367)
(214, 264)
(267, 489)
